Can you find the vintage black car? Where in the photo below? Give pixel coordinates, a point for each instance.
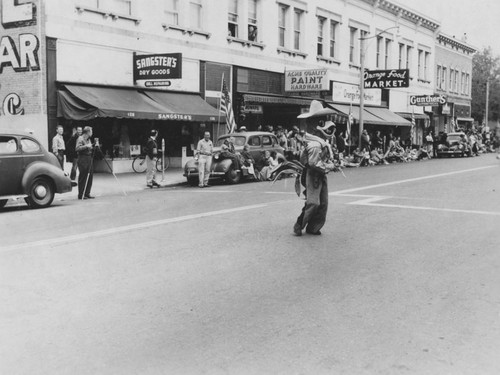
(454, 145)
(258, 143)
(28, 170)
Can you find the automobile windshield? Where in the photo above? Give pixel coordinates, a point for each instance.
(238, 141)
(453, 138)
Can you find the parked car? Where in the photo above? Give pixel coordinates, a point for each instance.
(453, 146)
(28, 170)
(258, 143)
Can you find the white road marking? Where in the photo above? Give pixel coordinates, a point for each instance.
(409, 180)
(127, 228)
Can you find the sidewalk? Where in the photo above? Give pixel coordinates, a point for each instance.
(106, 184)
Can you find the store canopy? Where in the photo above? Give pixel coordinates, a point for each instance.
(186, 107)
(88, 102)
(372, 115)
(417, 116)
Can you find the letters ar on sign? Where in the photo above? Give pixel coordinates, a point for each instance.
(159, 66)
(386, 79)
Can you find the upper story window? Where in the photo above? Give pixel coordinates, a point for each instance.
(172, 12)
(321, 27)
(333, 38)
(378, 61)
(466, 89)
(196, 14)
(450, 86)
(408, 57)
(353, 32)
(387, 53)
(283, 10)
(297, 29)
(401, 57)
(252, 20)
(119, 6)
(363, 35)
(420, 63)
(426, 65)
(232, 18)
(443, 78)
(439, 71)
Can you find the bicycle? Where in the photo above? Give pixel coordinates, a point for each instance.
(139, 163)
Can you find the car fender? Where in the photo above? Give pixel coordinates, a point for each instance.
(222, 166)
(62, 183)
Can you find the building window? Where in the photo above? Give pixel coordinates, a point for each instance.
(450, 86)
(455, 81)
(352, 44)
(401, 61)
(252, 20)
(363, 35)
(467, 84)
(387, 53)
(172, 12)
(379, 52)
(420, 63)
(232, 18)
(408, 56)
(297, 21)
(333, 37)
(426, 65)
(438, 77)
(321, 26)
(443, 78)
(196, 13)
(118, 6)
(283, 9)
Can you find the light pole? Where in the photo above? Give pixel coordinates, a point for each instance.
(362, 78)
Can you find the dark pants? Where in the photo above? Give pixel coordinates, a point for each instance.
(72, 174)
(85, 165)
(313, 215)
(60, 158)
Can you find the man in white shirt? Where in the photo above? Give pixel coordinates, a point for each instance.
(204, 152)
(58, 145)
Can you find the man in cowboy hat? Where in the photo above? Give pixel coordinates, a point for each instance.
(317, 157)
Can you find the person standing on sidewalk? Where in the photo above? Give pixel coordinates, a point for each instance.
(204, 152)
(151, 154)
(85, 153)
(58, 146)
(71, 154)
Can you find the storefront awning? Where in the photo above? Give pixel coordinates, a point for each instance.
(372, 115)
(88, 102)
(417, 116)
(187, 107)
(269, 99)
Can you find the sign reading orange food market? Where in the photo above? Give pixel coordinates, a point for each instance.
(307, 80)
(386, 79)
(163, 66)
(427, 100)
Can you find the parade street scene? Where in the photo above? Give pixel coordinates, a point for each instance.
(249, 187)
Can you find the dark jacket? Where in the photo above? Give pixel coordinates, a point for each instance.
(151, 148)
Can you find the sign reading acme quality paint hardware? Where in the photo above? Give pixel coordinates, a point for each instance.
(306, 80)
(163, 66)
(427, 100)
(386, 79)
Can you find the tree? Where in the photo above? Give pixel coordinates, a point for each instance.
(485, 67)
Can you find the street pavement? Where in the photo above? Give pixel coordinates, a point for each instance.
(182, 280)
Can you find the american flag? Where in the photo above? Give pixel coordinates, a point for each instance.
(227, 108)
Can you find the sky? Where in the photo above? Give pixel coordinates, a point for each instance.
(480, 19)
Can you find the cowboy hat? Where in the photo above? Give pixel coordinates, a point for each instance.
(316, 109)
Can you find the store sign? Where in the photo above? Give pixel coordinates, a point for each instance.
(158, 67)
(157, 83)
(306, 80)
(253, 108)
(386, 79)
(427, 100)
(446, 109)
(347, 93)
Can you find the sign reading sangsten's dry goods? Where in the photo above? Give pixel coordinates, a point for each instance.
(386, 79)
(307, 80)
(427, 100)
(160, 66)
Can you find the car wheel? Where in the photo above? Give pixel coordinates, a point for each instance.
(3, 202)
(41, 193)
(232, 176)
(192, 181)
